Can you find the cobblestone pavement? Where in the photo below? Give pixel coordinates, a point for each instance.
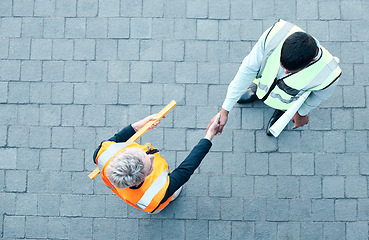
(74, 72)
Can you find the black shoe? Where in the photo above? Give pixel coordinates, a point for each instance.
(249, 96)
(276, 115)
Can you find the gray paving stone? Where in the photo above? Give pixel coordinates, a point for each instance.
(311, 230)
(219, 9)
(347, 164)
(11, 27)
(242, 230)
(220, 186)
(19, 48)
(37, 182)
(152, 94)
(218, 51)
(62, 93)
(146, 227)
(242, 186)
(35, 227)
(207, 30)
(333, 187)
(346, 210)
(151, 50)
(85, 188)
(118, 28)
(141, 71)
(265, 230)
(185, 28)
(26, 204)
(129, 230)
(212, 163)
(72, 115)
(50, 115)
(62, 137)
(8, 155)
(15, 181)
(300, 210)
(15, 88)
(196, 94)
(230, 209)
(185, 117)
(3, 135)
(334, 230)
(195, 9)
(97, 27)
(338, 30)
(252, 118)
(10, 70)
(44, 8)
(234, 163)
(179, 225)
(4, 48)
(28, 159)
(264, 143)
(364, 161)
(94, 115)
(48, 205)
(279, 164)
(58, 227)
(28, 115)
(356, 141)
(257, 164)
(208, 208)
(313, 141)
(277, 210)
(186, 72)
(109, 8)
(352, 52)
(71, 205)
(9, 114)
(265, 187)
(8, 203)
(81, 228)
(59, 182)
(14, 226)
(70, 159)
(322, 209)
(66, 8)
(358, 230)
(18, 136)
(320, 119)
(54, 28)
(363, 208)
(288, 187)
(128, 49)
(90, 203)
(102, 228)
(220, 230)
(332, 13)
(356, 187)
(208, 73)
(173, 50)
(174, 92)
(141, 28)
(23, 8)
(62, 49)
(334, 142)
(87, 8)
(40, 93)
(198, 185)
(288, 230)
(84, 49)
(106, 49)
(354, 96)
(162, 28)
(6, 8)
(302, 164)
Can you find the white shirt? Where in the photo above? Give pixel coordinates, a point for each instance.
(249, 69)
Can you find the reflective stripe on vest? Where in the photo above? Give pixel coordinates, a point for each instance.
(274, 42)
(110, 152)
(154, 189)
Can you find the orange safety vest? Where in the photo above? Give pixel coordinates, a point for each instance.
(152, 191)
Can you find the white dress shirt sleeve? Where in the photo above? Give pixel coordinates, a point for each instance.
(246, 73)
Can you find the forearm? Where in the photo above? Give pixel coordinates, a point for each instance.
(316, 98)
(184, 171)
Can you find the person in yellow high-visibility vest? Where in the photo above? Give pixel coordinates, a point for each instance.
(285, 63)
(139, 175)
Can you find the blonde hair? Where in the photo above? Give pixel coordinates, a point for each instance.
(125, 168)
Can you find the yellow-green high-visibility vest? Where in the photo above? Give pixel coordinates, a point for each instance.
(281, 93)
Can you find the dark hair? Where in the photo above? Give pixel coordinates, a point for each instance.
(298, 50)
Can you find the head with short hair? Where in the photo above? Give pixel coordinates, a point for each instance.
(298, 50)
(126, 168)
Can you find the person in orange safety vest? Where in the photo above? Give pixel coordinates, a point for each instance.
(139, 175)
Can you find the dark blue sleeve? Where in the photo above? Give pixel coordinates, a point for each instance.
(184, 171)
(122, 136)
